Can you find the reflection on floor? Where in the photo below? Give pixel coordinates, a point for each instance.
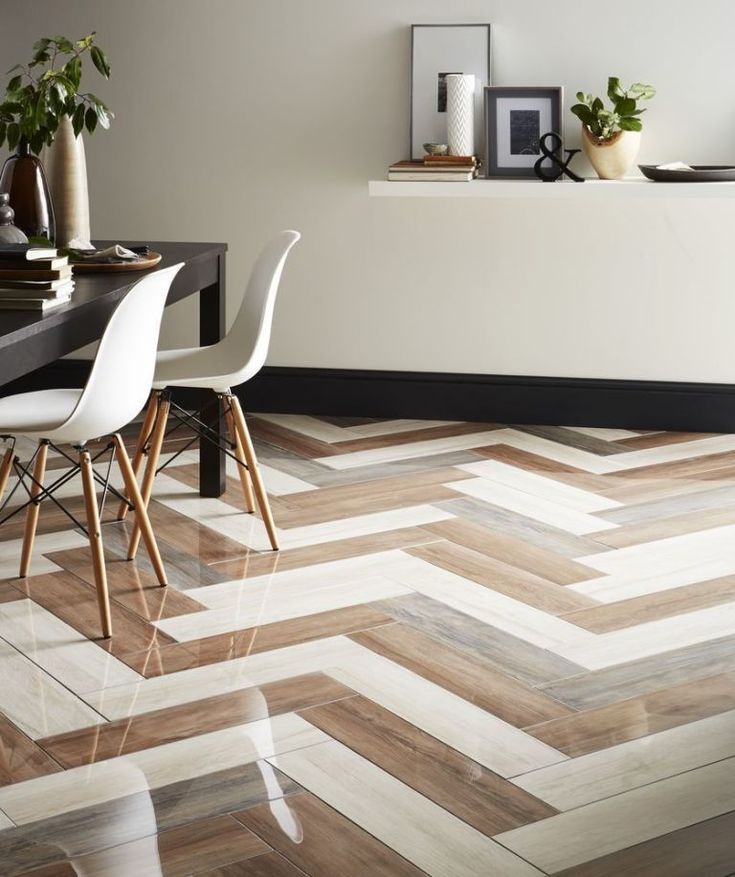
(483, 650)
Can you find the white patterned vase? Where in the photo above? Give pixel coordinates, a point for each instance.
(461, 114)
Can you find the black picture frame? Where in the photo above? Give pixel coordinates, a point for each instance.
(442, 64)
(505, 154)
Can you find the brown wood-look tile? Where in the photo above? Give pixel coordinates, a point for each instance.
(75, 602)
(659, 439)
(407, 438)
(191, 849)
(503, 651)
(206, 544)
(239, 644)
(676, 525)
(188, 720)
(637, 717)
(20, 758)
(524, 459)
(694, 467)
(189, 474)
(344, 501)
(513, 551)
(629, 491)
(471, 678)
(184, 567)
(706, 849)
(468, 790)
(281, 437)
(131, 586)
(268, 865)
(9, 593)
(503, 578)
(329, 845)
(60, 869)
(652, 607)
(264, 563)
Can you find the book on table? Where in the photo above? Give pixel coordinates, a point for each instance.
(29, 252)
(34, 304)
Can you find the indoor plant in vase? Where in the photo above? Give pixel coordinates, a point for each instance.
(44, 109)
(611, 138)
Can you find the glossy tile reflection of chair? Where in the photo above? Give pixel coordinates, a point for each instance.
(115, 391)
(229, 363)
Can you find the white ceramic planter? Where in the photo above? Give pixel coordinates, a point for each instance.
(66, 171)
(613, 158)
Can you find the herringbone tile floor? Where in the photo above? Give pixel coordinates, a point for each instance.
(482, 650)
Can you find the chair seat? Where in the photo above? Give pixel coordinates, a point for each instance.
(37, 414)
(209, 368)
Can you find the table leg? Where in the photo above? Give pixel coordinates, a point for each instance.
(211, 330)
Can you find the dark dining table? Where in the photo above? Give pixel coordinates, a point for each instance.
(30, 341)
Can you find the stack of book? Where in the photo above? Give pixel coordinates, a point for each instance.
(33, 278)
(435, 168)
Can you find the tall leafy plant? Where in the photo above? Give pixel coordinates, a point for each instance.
(47, 88)
(624, 115)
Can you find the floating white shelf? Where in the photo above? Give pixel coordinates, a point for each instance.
(629, 188)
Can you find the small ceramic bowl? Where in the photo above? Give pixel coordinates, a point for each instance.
(436, 148)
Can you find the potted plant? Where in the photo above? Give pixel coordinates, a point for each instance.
(44, 109)
(611, 137)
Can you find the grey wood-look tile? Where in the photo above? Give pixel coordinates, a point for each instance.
(564, 436)
(714, 498)
(588, 690)
(507, 652)
(505, 521)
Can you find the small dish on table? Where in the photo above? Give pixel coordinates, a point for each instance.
(696, 173)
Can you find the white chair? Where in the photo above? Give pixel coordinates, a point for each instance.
(116, 390)
(232, 361)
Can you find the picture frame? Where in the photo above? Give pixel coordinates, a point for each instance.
(515, 119)
(436, 51)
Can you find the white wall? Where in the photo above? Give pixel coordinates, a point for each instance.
(239, 117)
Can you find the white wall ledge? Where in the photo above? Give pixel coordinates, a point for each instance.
(591, 188)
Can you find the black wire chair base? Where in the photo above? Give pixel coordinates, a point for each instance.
(194, 422)
(25, 474)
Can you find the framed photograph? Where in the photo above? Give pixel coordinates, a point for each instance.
(515, 120)
(436, 51)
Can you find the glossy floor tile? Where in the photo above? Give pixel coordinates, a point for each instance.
(428, 836)
(482, 650)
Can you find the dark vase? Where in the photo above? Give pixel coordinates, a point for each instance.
(24, 180)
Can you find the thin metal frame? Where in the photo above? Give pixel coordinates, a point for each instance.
(554, 93)
(488, 78)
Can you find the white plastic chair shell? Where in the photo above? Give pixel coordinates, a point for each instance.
(241, 354)
(120, 380)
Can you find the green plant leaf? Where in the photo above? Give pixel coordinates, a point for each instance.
(597, 105)
(73, 71)
(37, 141)
(630, 124)
(90, 119)
(77, 120)
(614, 89)
(13, 135)
(3, 129)
(641, 91)
(15, 83)
(64, 44)
(625, 106)
(100, 61)
(41, 44)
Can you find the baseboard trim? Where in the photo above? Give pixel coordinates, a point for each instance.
(493, 398)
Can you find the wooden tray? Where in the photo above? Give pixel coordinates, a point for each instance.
(149, 261)
(700, 173)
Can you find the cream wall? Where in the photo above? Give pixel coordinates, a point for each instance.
(236, 118)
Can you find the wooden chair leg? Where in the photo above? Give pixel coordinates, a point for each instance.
(242, 469)
(5, 470)
(146, 488)
(95, 542)
(145, 431)
(253, 471)
(141, 512)
(34, 509)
